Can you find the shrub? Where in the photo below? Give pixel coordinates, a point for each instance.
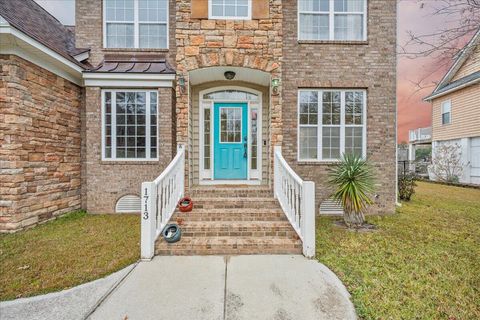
(406, 186)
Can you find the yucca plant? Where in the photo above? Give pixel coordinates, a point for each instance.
(353, 181)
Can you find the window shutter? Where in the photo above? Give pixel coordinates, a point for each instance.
(199, 9)
(260, 9)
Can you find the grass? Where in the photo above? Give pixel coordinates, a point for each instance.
(68, 251)
(422, 263)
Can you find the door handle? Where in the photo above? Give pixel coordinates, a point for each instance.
(245, 146)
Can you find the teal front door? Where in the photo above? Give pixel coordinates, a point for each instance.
(230, 141)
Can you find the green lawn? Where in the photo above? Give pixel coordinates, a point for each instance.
(422, 263)
(66, 252)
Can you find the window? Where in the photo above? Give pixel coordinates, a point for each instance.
(136, 24)
(331, 123)
(230, 125)
(332, 20)
(130, 125)
(230, 9)
(446, 112)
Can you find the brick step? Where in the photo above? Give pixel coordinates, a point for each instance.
(210, 192)
(229, 245)
(230, 202)
(237, 214)
(238, 229)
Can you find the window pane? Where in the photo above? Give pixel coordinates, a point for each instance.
(231, 125)
(314, 5)
(331, 143)
(353, 108)
(331, 107)
(206, 138)
(309, 107)
(348, 27)
(354, 140)
(120, 35)
(119, 10)
(152, 10)
(314, 27)
(153, 35)
(254, 145)
(230, 8)
(308, 143)
(349, 5)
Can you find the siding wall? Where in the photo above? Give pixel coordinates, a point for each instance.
(195, 120)
(470, 66)
(465, 115)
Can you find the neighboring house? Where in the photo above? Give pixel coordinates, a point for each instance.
(89, 115)
(456, 110)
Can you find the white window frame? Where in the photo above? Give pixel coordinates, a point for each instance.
(212, 17)
(331, 22)
(136, 27)
(342, 126)
(442, 111)
(148, 136)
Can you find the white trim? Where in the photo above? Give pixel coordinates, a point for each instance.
(230, 182)
(113, 145)
(331, 21)
(342, 125)
(136, 29)
(207, 176)
(128, 80)
(212, 17)
(438, 95)
(32, 51)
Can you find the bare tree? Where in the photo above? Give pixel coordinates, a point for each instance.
(447, 163)
(462, 20)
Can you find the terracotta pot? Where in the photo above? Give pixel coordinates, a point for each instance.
(185, 204)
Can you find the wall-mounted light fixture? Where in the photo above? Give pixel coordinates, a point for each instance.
(229, 75)
(181, 83)
(275, 85)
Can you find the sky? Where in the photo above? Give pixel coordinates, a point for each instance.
(413, 112)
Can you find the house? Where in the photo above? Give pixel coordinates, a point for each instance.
(251, 100)
(456, 111)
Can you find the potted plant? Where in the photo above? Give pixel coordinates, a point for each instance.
(353, 182)
(185, 204)
(172, 233)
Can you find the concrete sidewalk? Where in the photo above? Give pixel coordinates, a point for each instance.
(233, 288)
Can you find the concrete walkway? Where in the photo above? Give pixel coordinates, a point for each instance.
(72, 304)
(233, 288)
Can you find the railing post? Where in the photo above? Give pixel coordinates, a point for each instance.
(149, 220)
(181, 181)
(308, 221)
(276, 171)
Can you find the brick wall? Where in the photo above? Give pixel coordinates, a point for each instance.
(104, 182)
(39, 144)
(89, 33)
(369, 65)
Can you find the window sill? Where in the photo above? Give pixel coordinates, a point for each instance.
(129, 162)
(135, 49)
(316, 162)
(334, 42)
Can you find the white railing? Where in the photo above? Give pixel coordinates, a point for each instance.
(159, 200)
(420, 134)
(297, 199)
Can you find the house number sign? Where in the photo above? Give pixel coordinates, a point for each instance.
(145, 215)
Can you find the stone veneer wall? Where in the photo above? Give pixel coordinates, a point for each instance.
(201, 43)
(104, 182)
(369, 65)
(39, 144)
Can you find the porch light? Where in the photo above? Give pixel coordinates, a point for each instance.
(181, 83)
(275, 84)
(229, 75)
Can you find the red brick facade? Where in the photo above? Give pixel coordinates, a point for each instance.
(40, 144)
